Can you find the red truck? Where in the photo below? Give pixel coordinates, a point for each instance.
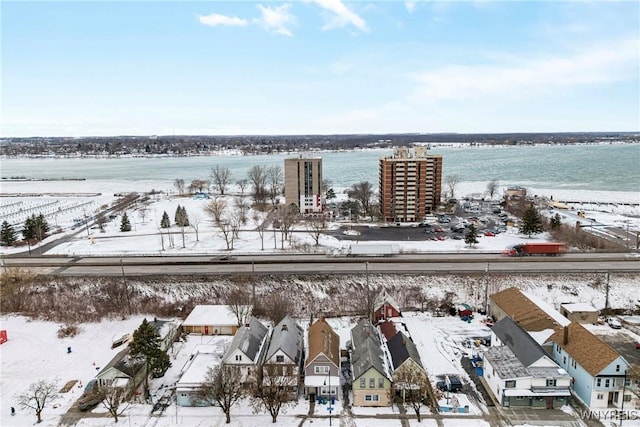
(527, 249)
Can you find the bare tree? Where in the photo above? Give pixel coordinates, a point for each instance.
(258, 178)
(260, 224)
(411, 382)
(362, 192)
(286, 217)
(195, 224)
(274, 179)
(492, 187)
(242, 207)
(452, 182)
(179, 184)
(222, 387)
(242, 183)
(239, 301)
(221, 176)
(37, 396)
(198, 185)
(112, 399)
(274, 306)
(216, 210)
(273, 391)
(227, 231)
(316, 226)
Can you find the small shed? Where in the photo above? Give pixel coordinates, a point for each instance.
(211, 320)
(580, 312)
(385, 307)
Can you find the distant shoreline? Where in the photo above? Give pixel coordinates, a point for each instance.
(23, 179)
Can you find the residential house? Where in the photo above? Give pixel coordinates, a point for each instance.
(385, 307)
(407, 370)
(598, 371)
(580, 312)
(520, 373)
(246, 349)
(167, 330)
(529, 312)
(211, 320)
(322, 368)
(285, 352)
(194, 374)
(371, 380)
(123, 370)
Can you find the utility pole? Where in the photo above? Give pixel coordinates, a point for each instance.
(486, 290)
(606, 300)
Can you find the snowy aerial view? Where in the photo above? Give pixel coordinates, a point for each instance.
(320, 212)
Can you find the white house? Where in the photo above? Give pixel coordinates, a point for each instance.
(247, 347)
(194, 373)
(285, 353)
(211, 320)
(598, 371)
(520, 373)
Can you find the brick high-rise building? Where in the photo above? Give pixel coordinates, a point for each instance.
(303, 184)
(410, 184)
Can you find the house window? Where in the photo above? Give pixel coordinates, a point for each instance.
(627, 398)
(519, 397)
(510, 384)
(607, 382)
(238, 357)
(363, 383)
(617, 368)
(372, 382)
(627, 382)
(371, 398)
(551, 383)
(598, 382)
(280, 359)
(599, 396)
(321, 370)
(380, 382)
(564, 360)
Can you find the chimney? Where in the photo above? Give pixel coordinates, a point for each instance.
(565, 335)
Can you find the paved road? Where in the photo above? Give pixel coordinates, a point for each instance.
(320, 264)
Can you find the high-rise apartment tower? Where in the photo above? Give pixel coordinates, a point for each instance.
(410, 184)
(303, 184)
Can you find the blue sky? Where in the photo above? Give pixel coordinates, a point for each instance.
(318, 67)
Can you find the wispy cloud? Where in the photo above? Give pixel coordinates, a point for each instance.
(410, 5)
(340, 15)
(215, 19)
(598, 65)
(277, 19)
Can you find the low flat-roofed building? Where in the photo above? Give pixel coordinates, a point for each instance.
(580, 312)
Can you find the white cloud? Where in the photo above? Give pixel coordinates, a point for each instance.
(410, 5)
(214, 19)
(341, 15)
(600, 65)
(276, 19)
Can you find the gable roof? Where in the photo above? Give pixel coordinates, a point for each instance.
(123, 363)
(362, 332)
(366, 356)
(522, 310)
(388, 329)
(385, 298)
(323, 340)
(211, 315)
(523, 346)
(402, 348)
(505, 363)
(586, 349)
(288, 337)
(249, 339)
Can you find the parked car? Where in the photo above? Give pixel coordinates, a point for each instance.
(454, 384)
(614, 323)
(489, 233)
(90, 397)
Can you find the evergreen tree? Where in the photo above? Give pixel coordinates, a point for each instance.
(176, 217)
(184, 217)
(42, 225)
(28, 230)
(125, 225)
(165, 222)
(159, 363)
(471, 238)
(555, 222)
(531, 222)
(145, 347)
(7, 234)
(331, 194)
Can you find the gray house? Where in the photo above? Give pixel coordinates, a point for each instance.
(285, 353)
(122, 371)
(247, 347)
(520, 373)
(322, 368)
(371, 380)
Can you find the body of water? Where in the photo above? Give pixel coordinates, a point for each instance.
(602, 168)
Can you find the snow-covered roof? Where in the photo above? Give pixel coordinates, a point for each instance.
(194, 374)
(211, 315)
(321, 380)
(249, 339)
(547, 308)
(288, 337)
(579, 306)
(505, 363)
